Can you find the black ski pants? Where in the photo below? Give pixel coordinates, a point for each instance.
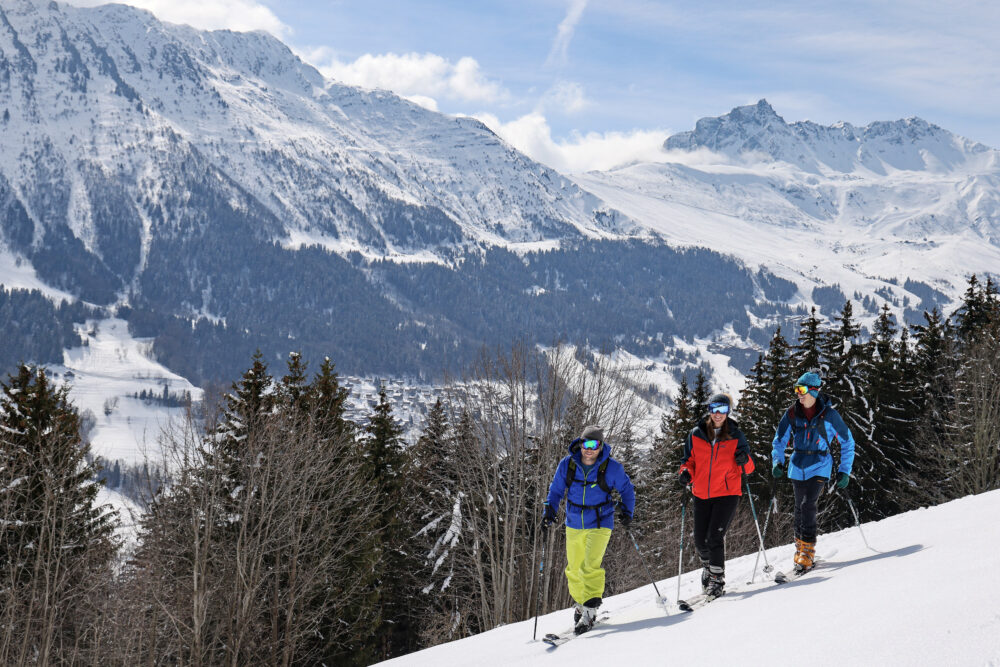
(711, 519)
(806, 494)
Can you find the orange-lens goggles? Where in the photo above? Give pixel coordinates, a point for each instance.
(802, 390)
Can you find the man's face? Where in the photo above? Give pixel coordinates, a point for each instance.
(589, 456)
(807, 400)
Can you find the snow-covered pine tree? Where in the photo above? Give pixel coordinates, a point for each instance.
(767, 397)
(56, 542)
(888, 451)
(754, 415)
(934, 369)
(843, 384)
(969, 451)
(806, 354)
(435, 502)
(245, 413)
(661, 496)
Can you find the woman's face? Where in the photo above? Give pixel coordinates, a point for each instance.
(717, 419)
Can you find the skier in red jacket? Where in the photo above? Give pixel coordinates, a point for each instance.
(715, 457)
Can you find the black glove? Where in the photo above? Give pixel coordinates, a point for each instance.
(684, 478)
(549, 517)
(625, 518)
(741, 458)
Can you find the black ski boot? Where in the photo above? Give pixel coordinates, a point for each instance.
(716, 583)
(588, 614)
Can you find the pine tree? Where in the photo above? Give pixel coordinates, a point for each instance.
(888, 449)
(806, 355)
(776, 380)
(56, 543)
(385, 463)
(661, 495)
(699, 397)
(843, 385)
(225, 453)
(754, 414)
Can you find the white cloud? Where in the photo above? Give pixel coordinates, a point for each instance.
(239, 15)
(420, 77)
(532, 135)
(564, 34)
(567, 96)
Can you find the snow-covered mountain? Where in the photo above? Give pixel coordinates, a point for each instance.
(220, 196)
(907, 600)
(109, 103)
(823, 205)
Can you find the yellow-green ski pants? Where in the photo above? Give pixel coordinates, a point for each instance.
(584, 552)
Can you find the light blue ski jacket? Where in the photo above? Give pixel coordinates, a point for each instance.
(810, 441)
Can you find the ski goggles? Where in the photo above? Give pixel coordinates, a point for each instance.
(591, 444)
(718, 409)
(802, 390)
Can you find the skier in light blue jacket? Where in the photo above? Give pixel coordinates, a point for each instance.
(810, 426)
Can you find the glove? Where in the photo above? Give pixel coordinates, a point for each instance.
(684, 478)
(741, 458)
(625, 518)
(777, 472)
(549, 517)
(843, 481)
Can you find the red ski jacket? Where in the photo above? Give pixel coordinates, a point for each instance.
(711, 466)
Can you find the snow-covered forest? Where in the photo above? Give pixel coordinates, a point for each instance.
(277, 531)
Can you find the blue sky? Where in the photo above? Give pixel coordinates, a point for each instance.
(583, 84)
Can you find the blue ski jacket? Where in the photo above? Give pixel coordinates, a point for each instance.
(587, 504)
(810, 441)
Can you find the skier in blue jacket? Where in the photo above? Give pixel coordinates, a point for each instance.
(586, 478)
(809, 427)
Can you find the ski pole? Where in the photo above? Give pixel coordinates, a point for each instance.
(680, 558)
(857, 522)
(643, 561)
(756, 523)
(539, 576)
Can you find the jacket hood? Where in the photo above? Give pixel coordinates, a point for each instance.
(701, 429)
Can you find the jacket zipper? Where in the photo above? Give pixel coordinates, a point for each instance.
(711, 460)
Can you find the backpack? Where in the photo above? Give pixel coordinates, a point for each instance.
(601, 470)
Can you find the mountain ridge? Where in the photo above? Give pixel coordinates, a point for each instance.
(910, 144)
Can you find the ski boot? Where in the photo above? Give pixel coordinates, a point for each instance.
(705, 574)
(805, 555)
(587, 615)
(716, 582)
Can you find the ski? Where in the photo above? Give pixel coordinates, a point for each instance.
(793, 574)
(554, 639)
(696, 602)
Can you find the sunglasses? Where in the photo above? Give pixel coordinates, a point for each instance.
(592, 444)
(802, 390)
(718, 409)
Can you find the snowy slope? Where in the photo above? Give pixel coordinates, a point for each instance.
(822, 205)
(924, 595)
(104, 375)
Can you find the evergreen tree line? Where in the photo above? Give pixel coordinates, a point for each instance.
(284, 533)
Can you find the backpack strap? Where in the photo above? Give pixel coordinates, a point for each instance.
(602, 483)
(602, 470)
(822, 431)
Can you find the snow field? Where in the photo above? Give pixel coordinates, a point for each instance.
(927, 596)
